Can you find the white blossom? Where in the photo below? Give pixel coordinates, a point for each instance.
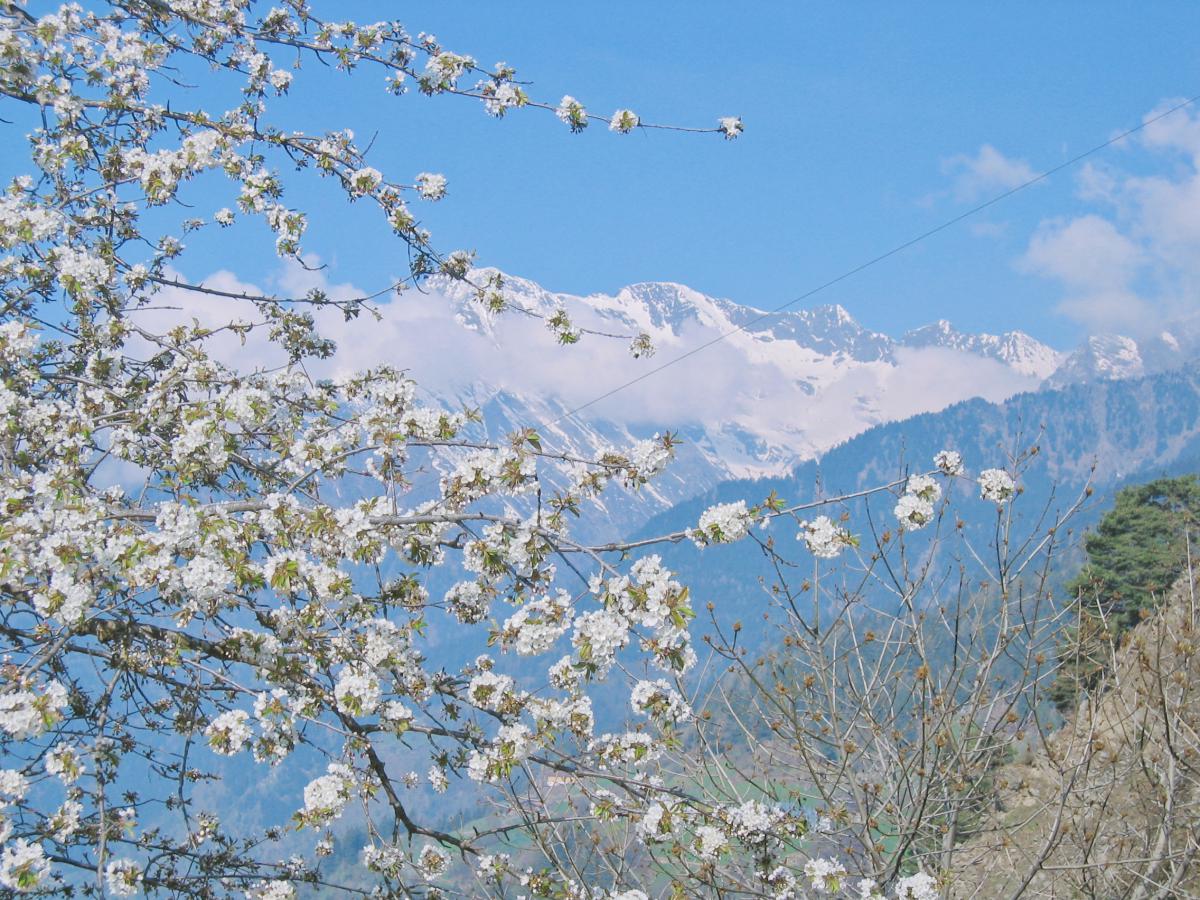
(437, 779)
(13, 785)
(24, 866)
(597, 638)
(500, 97)
(949, 462)
(491, 691)
(571, 112)
(755, 822)
(659, 700)
(710, 841)
(512, 745)
(25, 714)
(658, 822)
(228, 733)
(730, 126)
(365, 180)
(123, 877)
(81, 271)
(325, 797)
(443, 70)
(65, 822)
(824, 538)
(386, 859)
(722, 524)
(431, 186)
(631, 748)
(996, 485)
(432, 861)
(271, 890)
(566, 675)
(492, 865)
(923, 486)
(825, 875)
(912, 512)
(919, 886)
(623, 121)
(357, 691)
(538, 625)
(395, 714)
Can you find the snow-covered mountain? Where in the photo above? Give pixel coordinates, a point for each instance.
(775, 390)
(1013, 348)
(1109, 356)
(806, 343)
(750, 393)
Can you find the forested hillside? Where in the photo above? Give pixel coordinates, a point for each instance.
(1104, 434)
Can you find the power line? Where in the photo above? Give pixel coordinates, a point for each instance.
(877, 259)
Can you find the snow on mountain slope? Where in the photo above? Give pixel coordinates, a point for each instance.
(1101, 357)
(1014, 348)
(1104, 357)
(814, 347)
(775, 390)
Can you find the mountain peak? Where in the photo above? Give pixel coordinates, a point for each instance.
(834, 314)
(1016, 349)
(1101, 357)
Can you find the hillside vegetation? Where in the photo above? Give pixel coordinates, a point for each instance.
(1110, 805)
(1133, 557)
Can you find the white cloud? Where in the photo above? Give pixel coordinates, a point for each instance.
(1179, 131)
(987, 172)
(1087, 252)
(924, 379)
(1133, 264)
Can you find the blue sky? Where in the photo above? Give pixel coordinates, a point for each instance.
(852, 112)
(865, 125)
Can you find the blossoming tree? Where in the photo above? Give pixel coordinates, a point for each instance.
(227, 606)
(186, 589)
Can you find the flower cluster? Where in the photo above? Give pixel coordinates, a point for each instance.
(228, 733)
(919, 886)
(28, 713)
(949, 462)
(824, 875)
(24, 866)
(723, 524)
(650, 598)
(123, 877)
(325, 797)
(824, 538)
(357, 691)
(659, 700)
(996, 485)
(536, 626)
(510, 748)
(915, 507)
(730, 126)
(571, 112)
(431, 186)
(624, 121)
